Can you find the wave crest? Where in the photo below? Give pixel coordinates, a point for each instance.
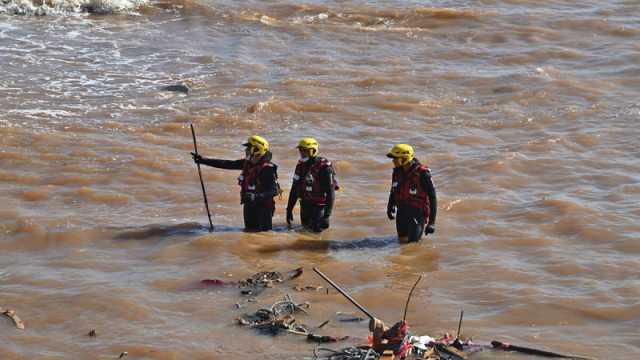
(54, 7)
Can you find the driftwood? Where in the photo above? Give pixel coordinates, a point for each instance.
(12, 315)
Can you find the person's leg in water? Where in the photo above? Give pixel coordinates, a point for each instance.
(409, 223)
(311, 216)
(402, 225)
(250, 218)
(317, 214)
(305, 214)
(264, 216)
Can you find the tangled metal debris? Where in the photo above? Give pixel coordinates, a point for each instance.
(256, 283)
(276, 318)
(348, 353)
(280, 318)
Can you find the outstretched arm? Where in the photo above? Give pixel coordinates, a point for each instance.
(219, 163)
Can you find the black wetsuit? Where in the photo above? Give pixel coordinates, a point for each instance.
(314, 215)
(258, 213)
(410, 219)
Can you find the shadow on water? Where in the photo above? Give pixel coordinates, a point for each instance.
(158, 231)
(324, 245)
(154, 231)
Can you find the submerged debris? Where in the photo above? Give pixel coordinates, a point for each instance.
(276, 318)
(279, 318)
(325, 338)
(307, 288)
(349, 353)
(447, 347)
(255, 284)
(530, 351)
(11, 314)
(349, 317)
(323, 324)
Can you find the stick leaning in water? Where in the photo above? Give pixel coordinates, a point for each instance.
(335, 286)
(406, 306)
(204, 193)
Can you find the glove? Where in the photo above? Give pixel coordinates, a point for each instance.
(248, 197)
(289, 216)
(391, 212)
(196, 158)
(430, 229)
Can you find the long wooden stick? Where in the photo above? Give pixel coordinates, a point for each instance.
(204, 193)
(460, 324)
(335, 286)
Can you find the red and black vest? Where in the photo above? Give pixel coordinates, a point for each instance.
(309, 187)
(407, 187)
(249, 180)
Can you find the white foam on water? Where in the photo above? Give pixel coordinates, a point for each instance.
(46, 113)
(68, 7)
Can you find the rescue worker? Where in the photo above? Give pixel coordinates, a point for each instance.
(258, 182)
(412, 200)
(314, 183)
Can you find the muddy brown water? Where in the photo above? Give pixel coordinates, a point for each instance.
(526, 111)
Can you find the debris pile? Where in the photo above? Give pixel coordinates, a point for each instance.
(396, 342)
(385, 343)
(280, 318)
(258, 282)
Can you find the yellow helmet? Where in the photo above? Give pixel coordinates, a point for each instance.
(403, 152)
(309, 143)
(257, 145)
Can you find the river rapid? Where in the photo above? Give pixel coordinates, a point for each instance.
(526, 111)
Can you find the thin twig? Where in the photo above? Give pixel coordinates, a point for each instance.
(406, 306)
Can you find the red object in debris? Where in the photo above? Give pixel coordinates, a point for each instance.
(217, 282)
